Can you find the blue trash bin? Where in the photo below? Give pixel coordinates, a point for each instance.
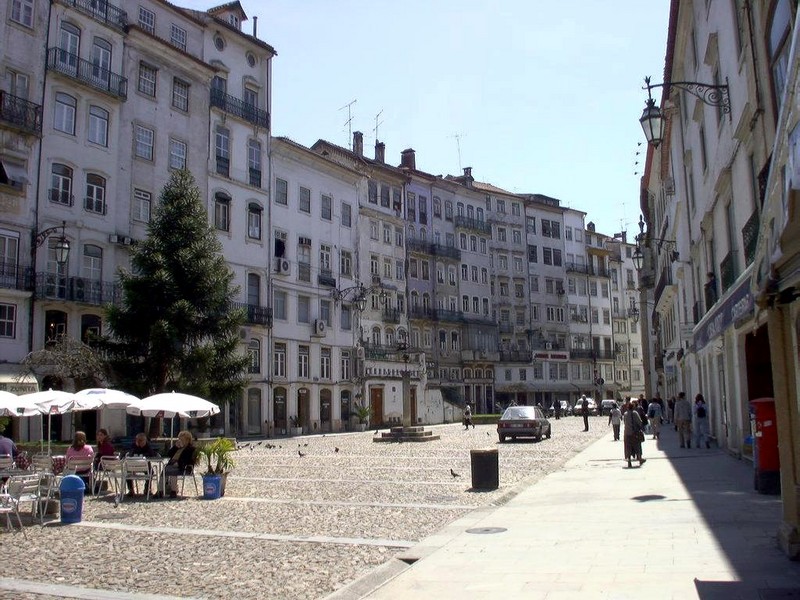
(71, 492)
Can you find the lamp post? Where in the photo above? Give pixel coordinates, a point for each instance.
(402, 349)
(61, 248)
(652, 120)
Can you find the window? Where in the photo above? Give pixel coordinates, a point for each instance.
(61, 184)
(98, 126)
(64, 117)
(222, 145)
(69, 39)
(385, 196)
(95, 200)
(222, 212)
(141, 205)
(372, 192)
(144, 142)
(303, 353)
(448, 210)
(279, 310)
(147, 79)
(281, 192)
(22, 13)
(279, 360)
(326, 208)
(779, 44)
(437, 207)
(147, 20)
(101, 63)
(180, 94)
(305, 200)
(177, 37)
(347, 215)
(303, 309)
(92, 263)
(325, 363)
(250, 97)
(177, 154)
(254, 221)
(8, 320)
(387, 234)
(411, 208)
(254, 162)
(254, 355)
(346, 263)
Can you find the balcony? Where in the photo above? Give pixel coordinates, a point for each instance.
(223, 166)
(13, 276)
(87, 73)
(750, 237)
(254, 177)
(255, 314)
(391, 315)
(581, 354)
(424, 247)
(240, 109)
(21, 114)
(449, 316)
(727, 271)
(710, 291)
(103, 12)
(382, 352)
(421, 312)
(76, 289)
(664, 279)
(516, 356)
(697, 311)
(473, 225)
(505, 327)
(327, 279)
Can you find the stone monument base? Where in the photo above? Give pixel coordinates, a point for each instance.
(406, 434)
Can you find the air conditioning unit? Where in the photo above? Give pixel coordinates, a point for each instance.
(361, 353)
(113, 238)
(548, 345)
(80, 289)
(282, 266)
(320, 327)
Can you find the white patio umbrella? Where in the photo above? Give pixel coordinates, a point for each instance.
(108, 398)
(56, 402)
(12, 405)
(171, 404)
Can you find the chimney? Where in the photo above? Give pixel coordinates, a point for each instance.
(408, 159)
(255, 26)
(358, 143)
(380, 151)
(468, 176)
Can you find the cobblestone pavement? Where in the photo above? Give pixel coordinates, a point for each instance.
(289, 526)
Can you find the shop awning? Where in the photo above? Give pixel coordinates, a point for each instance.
(13, 174)
(14, 380)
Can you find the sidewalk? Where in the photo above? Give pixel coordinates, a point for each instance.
(687, 524)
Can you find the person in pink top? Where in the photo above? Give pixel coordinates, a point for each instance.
(80, 449)
(104, 447)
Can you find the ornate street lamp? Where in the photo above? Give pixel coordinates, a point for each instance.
(653, 121)
(357, 294)
(61, 246)
(633, 312)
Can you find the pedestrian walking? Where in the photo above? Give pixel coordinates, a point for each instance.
(669, 417)
(557, 409)
(468, 417)
(634, 434)
(700, 427)
(585, 412)
(615, 419)
(683, 420)
(654, 414)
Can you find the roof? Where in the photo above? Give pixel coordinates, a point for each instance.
(347, 153)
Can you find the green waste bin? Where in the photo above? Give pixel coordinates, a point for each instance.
(485, 465)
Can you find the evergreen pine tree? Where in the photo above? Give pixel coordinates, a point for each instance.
(176, 327)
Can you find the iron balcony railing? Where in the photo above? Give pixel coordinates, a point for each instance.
(591, 354)
(727, 271)
(391, 315)
(750, 237)
(449, 316)
(473, 225)
(87, 73)
(61, 197)
(52, 286)
(14, 277)
(20, 113)
(255, 177)
(425, 247)
(239, 108)
(664, 279)
(505, 327)
(255, 314)
(327, 279)
(223, 166)
(421, 312)
(516, 356)
(711, 294)
(102, 12)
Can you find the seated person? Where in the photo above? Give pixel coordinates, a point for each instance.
(104, 447)
(182, 457)
(7, 446)
(80, 449)
(141, 447)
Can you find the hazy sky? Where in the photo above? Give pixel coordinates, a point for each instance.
(541, 96)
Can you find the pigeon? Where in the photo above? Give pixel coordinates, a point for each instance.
(487, 433)
(300, 454)
(454, 474)
(376, 432)
(336, 449)
(304, 445)
(251, 448)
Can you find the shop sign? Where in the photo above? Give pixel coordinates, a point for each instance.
(738, 305)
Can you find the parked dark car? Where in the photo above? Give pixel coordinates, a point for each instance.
(523, 421)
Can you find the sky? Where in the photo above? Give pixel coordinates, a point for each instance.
(537, 96)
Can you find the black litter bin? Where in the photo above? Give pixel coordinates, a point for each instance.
(485, 469)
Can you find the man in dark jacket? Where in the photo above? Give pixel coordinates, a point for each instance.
(585, 412)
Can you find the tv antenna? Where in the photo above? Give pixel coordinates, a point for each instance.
(458, 137)
(349, 122)
(377, 124)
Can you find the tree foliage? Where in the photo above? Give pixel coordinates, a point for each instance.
(68, 358)
(176, 326)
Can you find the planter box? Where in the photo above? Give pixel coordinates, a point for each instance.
(295, 431)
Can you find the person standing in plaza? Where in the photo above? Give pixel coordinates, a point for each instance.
(633, 434)
(654, 414)
(683, 420)
(701, 430)
(669, 418)
(468, 417)
(557, 409)
(615, 419)
(585, 412)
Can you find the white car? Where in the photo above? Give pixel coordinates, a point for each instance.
(578, 409)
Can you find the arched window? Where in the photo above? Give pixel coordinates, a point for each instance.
(426, 301)
(254, 221)
(69, 41)
(222, 211)
(376, 336)
(254, 354)
(778, 45)
(61, 184)
(253, 289)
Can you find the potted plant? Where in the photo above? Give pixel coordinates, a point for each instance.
(296, 427)
(218, 462)
(363, 413)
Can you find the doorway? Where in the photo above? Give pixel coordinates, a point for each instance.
(279, 410)
(325, 402)
(376, 404)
